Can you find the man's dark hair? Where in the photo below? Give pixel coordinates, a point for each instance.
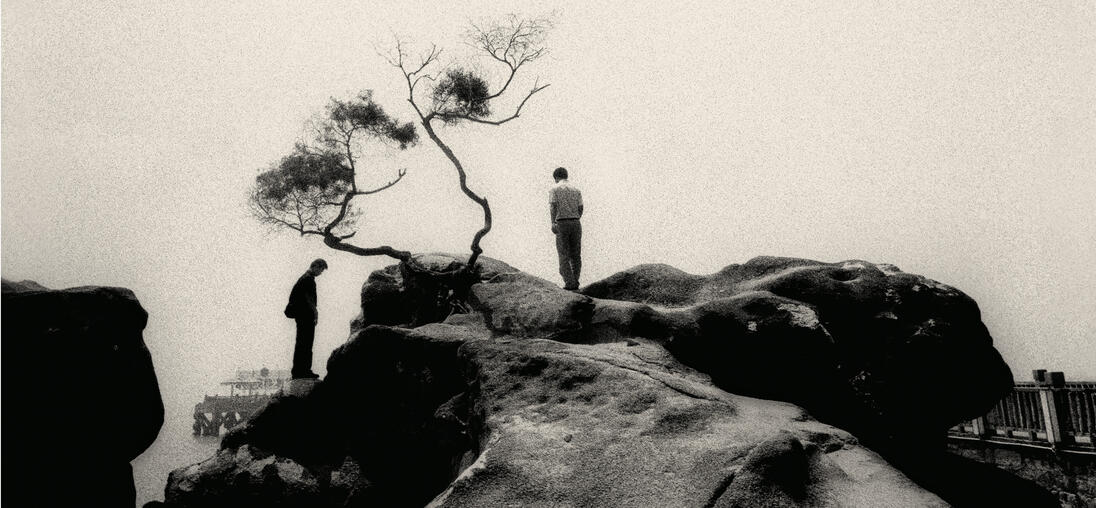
(319, 263)
(560, 173)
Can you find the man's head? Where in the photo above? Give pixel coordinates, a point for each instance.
(560, 174)
(317, 267)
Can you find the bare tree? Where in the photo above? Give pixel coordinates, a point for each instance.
(457, 95)
(311, 190)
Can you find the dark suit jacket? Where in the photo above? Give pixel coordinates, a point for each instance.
(302, 299)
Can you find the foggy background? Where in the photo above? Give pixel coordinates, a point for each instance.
(956, 140)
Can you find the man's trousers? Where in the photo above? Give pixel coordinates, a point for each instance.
(569, 247)
(302, 351)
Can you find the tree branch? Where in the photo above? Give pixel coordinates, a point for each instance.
(402, 173)
(310, 191)
(336, 242)
(348, 141)
(410, 76)
(514, 46)
(451, 116)
(463, 177)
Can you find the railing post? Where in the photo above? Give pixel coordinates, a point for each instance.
(978, 425)
(1047, 383)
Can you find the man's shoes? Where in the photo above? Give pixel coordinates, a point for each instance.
(571, 288)
(306, 375)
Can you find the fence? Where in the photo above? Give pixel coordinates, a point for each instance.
(1047, 412)
(217, 411)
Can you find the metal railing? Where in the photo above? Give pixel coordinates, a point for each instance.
(1047, 412)
(219, 411)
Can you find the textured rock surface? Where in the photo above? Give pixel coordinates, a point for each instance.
(644, 404)
(890, 355)
(397, 295)
(519, 304)
(619, 425)
(87, 401)
(535, 422)
(256, 479)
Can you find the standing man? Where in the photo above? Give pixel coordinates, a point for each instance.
(302, 308)
(565, 202)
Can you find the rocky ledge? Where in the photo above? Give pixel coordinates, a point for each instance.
(82, 394)
(778, 382)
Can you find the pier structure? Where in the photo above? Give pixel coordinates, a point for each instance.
(1047, 413)
(248, 392)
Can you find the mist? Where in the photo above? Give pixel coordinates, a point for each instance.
(956, 141)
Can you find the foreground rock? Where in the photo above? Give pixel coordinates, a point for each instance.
(635, 393)
(532, 422)
(82, 394)
(619, 425)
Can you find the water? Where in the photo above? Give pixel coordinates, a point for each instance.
(175, 447)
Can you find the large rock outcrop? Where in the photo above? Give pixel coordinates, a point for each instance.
(421, 292)
(626, 425)
(446, 408)
(81, 394)
(894, 357)
(644, 390)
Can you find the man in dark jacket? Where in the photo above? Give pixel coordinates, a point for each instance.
(302, 308)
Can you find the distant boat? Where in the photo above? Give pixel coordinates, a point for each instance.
(248, 392)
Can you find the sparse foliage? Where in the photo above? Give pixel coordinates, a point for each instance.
(458, 95)
(461, 94)
(311, 190)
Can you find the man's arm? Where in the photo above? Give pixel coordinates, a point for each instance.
(310, 300)
(552, 208)
(296, 295)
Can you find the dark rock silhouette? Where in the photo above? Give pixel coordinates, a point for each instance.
(82, 394)
(257, 479)
(893, 357)
(399, 296)
(635, 392)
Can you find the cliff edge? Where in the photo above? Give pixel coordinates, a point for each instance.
(778, 382)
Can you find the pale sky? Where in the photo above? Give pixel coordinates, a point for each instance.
(953, 139)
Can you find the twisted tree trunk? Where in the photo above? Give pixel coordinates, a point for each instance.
(476, 249)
